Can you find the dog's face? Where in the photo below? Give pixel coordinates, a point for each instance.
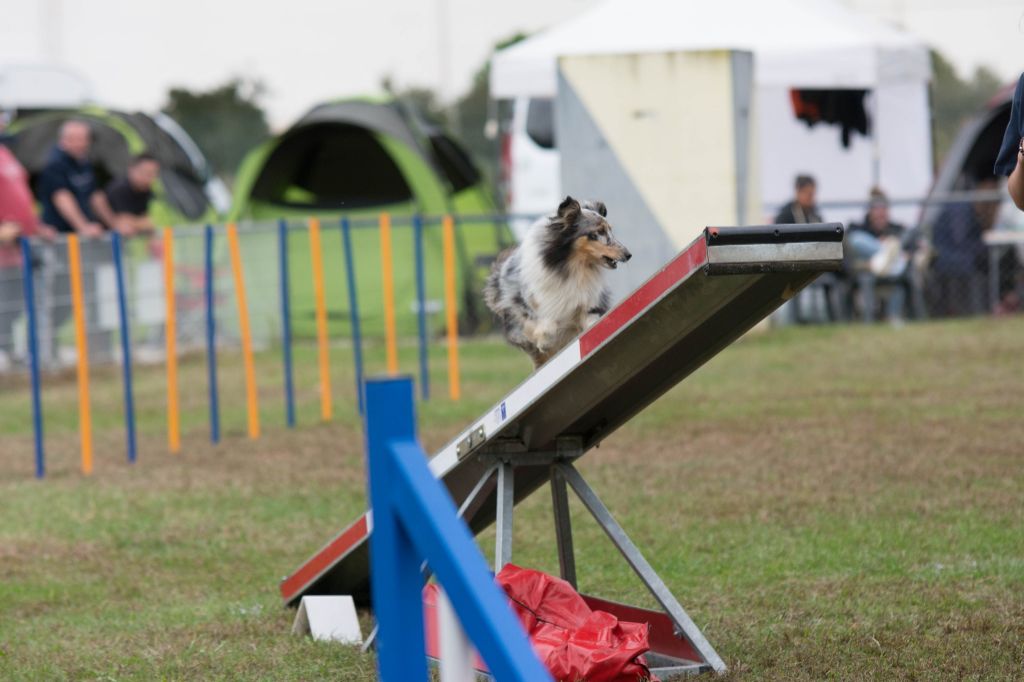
(585, 228)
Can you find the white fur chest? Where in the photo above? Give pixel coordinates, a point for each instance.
(556, 295)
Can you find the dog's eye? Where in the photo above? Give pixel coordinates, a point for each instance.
(592, 236)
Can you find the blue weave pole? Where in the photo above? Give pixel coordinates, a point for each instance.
(286, 322)
(421, 306)
(117, 250)
(353, 310)
(414, 519)
(28, 290)
(211, 336)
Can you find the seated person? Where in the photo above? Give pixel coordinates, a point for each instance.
(129, 196)
(883, 250)
(803, 208)
(961, 257)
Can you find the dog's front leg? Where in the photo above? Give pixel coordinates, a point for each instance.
(545, 336)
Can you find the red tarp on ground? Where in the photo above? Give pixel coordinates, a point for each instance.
(574, 642)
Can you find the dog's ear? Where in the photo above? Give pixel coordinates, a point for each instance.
(569, 211)
(601, 208)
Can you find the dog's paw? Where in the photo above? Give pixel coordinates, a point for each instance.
(544, 334)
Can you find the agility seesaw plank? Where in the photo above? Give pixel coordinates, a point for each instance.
(712, 292)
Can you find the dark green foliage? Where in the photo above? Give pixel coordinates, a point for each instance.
(955, 100)
(226, 122)
(467, 117)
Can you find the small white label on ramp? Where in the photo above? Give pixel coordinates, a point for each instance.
(328, 618)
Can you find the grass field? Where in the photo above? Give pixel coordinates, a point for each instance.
(827, 503)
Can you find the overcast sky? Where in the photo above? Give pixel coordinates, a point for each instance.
(310, 50)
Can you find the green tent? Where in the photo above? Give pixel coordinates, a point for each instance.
(186, 192)
(359, 159)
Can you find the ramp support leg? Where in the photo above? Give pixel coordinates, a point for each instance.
(503, 535)
(639, 565)
(476, 495)
(563, 528)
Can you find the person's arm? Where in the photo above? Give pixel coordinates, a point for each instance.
(129, 224)
(66, 205)
(9, 231)
(101, 207)
(143, 223)
(1015, 184)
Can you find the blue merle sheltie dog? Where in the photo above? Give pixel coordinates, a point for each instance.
(550, 288)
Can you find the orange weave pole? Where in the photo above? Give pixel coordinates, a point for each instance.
(243, 324)
(170, 334)
(387, 272)
(451, 307)
(316, 254)
(82, 347)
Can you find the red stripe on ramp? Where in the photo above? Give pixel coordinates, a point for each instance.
(322, 560)
(629, 309)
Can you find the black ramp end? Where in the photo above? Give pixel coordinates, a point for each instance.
(774, 234)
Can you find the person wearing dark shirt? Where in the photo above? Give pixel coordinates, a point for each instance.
(803, 208)
(67, 186)
(1011, 152)
(961, 258)
(129, 196)
(72, 203)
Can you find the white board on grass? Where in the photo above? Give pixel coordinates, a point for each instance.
(328, 618)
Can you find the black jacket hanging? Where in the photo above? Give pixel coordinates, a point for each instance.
(844, 108)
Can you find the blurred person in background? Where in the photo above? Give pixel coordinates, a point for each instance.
(129, 195)
(961, 258)
(17, 219)
(803, 208)
(67, 186)
(883, 252)
(72, 203)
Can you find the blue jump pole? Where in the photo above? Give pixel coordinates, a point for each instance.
(126, 345)
(414, 519)
(211, 336)
(353, 309)
(33, 355)
(286, 322)
(421, 306)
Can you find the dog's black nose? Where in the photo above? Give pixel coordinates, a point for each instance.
(628, 256)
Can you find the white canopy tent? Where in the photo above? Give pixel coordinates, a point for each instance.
(42, 86)
(797, 44)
